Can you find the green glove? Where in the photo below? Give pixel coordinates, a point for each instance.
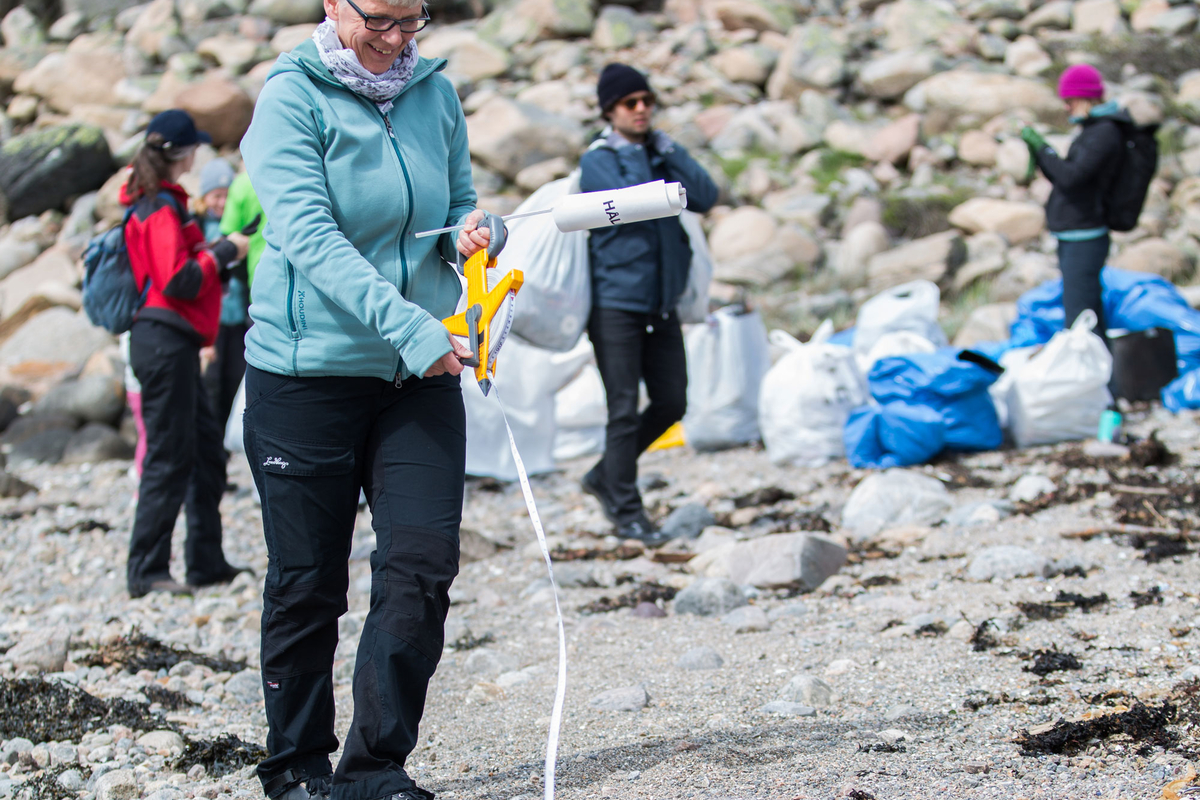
(1032, 138)
(1036, 143)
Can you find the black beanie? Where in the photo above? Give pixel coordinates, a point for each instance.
(617, 81)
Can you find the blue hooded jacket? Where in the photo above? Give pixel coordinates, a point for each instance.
(342, 287)
(642, 266)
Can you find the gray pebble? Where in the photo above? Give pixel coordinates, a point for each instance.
(626, 698)
(687, 521)
(785, 708)
(71, 780)
(708, 597)
(702, 657)
(808, 690)
(747, 619)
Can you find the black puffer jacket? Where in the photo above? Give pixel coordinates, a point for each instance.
(1082, 180)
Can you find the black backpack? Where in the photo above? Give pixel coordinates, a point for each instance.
(1139, 161)
(111, 296)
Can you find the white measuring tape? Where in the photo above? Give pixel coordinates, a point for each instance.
(561, 692)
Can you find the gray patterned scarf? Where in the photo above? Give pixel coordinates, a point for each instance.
(345, 66)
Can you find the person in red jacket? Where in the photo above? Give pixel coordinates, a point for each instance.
(184, 463)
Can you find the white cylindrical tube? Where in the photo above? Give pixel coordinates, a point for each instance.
(577, 212)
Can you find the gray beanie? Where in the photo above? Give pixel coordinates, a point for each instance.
(216, 174)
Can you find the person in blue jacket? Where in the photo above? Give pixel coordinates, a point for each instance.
(352, 382)
(638, 273)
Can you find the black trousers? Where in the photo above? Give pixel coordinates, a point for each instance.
(1080, 264)
(224, 373)
(630, 348)
(312, 443)
(184, 464)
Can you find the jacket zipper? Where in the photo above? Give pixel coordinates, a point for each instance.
(291, 314)
(407, 222)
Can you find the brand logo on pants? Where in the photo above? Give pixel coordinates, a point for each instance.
(275, 461)
(273, 685)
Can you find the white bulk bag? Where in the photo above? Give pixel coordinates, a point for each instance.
(806, 398)
(727, 356)
(1062, 391)
(580, 413)
(233, 425)
(1012, 361)
(911, 306)
(552, 307)
(527, 379)
(693, 303)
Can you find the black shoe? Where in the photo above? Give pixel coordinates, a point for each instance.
(642, 529)
(412, 793)
(312, 789)
(224, 576)
(593, 484)
(166, 585)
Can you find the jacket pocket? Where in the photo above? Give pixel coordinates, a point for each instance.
(295, 304)
(624, 247)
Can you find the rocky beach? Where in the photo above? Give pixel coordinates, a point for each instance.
(1012, 624)
(998, 630)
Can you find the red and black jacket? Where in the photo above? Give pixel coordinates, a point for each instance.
(184, 271)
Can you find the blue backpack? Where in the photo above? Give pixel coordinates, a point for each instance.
(111, 296)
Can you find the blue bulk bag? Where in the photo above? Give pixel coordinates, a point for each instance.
(950, 382)
(896, 435)
(1183, 392)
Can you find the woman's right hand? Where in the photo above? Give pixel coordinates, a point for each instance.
(451, 363)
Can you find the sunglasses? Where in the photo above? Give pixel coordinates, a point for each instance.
(381, 24)
(631, 103)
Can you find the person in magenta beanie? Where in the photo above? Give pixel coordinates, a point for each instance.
(1075, 211)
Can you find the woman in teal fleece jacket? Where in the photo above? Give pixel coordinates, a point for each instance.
(352, 383)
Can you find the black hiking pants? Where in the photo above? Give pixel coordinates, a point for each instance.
(631, 348)
(1080, 264)
(312, 444)
(184, 463)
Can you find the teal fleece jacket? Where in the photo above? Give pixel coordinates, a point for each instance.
(343, 288)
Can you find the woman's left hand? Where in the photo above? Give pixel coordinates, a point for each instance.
(472, 239)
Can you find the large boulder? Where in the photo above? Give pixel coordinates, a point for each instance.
(913, 23)
(42, 169)
(40, 650)
(987, 323)
(893, 498)
(751, 63)
(220, 107)
(863, 242)
(802, 560)
(619, 27)
(96, 442)
(759, 15)
(509, 136)
(893, 142)
(892, 74)
(156, 33)
(931, 258)
(1102, 17)
(1017, 221)
(1157, 256)
(91, 398)
(25, 240)
(983, 95)
(534, 20)
(289, 12)
(815, 58)
(55, 341)
(467, 56)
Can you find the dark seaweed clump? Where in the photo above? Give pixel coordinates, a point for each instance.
(137, 652)
(44, 711)
(221, 756)
(649, 592)
(1047, 661)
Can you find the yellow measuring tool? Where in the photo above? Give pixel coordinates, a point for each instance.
(478, 323)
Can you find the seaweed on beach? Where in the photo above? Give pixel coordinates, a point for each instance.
(1053, 660)
(1146, 725)
(221, 756)
(168, 699)
(985, 637)
(1062, 604)
(648, 592)
(45, 711)
(137, 652)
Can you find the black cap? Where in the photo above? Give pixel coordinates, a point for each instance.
(617, 81)
(178, 130)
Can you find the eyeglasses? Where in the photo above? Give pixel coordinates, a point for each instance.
(631, 103)
(381, 24)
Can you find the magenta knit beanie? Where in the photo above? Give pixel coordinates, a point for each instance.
(1081, 80)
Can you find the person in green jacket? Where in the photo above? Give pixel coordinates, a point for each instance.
(352, 382)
